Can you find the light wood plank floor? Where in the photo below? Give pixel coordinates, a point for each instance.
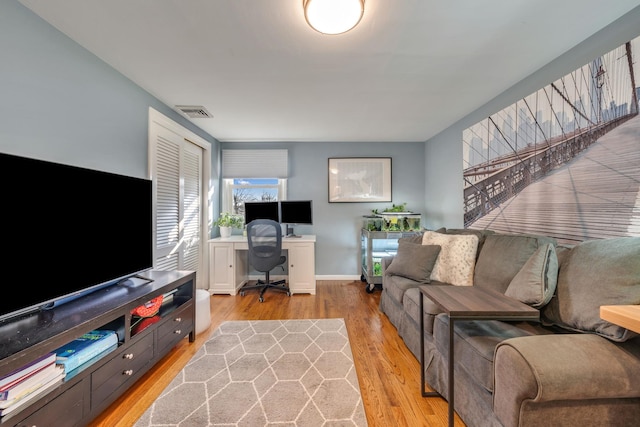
(388, 373)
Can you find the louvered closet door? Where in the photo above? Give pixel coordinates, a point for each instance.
(178, 175)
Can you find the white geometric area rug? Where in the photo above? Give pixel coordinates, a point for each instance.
(265, 373)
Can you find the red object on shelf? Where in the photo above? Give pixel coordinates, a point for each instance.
(149, 308)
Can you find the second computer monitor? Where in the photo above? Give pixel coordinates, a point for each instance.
(295, 212)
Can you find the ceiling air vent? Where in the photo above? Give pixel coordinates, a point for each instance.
(194, 111)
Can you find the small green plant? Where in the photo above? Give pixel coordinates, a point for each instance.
(393, 208)
(229, 220)
(397, 208)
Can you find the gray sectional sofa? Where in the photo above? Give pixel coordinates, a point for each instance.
(570, 369)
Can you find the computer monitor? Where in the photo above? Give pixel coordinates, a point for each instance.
(261, 210)
(296, 212)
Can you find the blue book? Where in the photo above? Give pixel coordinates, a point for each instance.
(84, 348)
(81, 368)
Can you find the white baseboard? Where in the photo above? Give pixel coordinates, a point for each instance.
(318, 277)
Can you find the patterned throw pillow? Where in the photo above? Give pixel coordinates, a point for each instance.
(456, 262)
(536, 281)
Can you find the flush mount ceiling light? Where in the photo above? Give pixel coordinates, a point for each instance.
(333, 16)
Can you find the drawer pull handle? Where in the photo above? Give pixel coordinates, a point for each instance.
(177, 331)
(128, 356)
(178, 319)
(128, 372)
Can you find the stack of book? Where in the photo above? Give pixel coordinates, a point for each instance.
(86, 349)
(43, 374)
(23, 385)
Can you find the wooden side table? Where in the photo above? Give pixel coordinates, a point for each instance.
(627, 316)
(468, 303)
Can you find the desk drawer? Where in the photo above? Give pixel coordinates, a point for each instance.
(123, 367)
(178, 325)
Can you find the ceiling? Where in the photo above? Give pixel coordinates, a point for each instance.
(410, 69)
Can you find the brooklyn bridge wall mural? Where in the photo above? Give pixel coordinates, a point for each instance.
(563, 161)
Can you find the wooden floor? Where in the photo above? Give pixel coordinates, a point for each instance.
(389, 375)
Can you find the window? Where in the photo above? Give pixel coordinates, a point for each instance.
(252, 176)
(237, 191)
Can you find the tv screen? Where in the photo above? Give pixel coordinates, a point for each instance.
(69, 230)
(261, 210)
(296, 212)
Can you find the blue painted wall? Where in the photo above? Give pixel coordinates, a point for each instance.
(61, 103)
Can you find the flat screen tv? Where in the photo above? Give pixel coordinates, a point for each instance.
(69, 231)
(261, 210)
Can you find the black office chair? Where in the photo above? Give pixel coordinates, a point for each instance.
(265, 253)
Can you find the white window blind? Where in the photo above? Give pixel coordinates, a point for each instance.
(255, 164)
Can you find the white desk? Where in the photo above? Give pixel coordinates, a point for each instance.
(229, 265)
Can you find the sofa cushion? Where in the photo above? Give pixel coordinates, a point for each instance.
(536, 281)
(414, 261)
(411, 304)
(475, 342)
(396, 286)
(502, 257)
(595, 273)
(456, 261)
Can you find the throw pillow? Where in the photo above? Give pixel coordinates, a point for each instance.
(594, 273)
(457, 258)
(414, 261)
(536, 281)
(502, 257)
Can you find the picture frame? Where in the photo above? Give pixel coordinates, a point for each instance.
(359, 179)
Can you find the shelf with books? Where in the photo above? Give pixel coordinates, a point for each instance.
(23, 385)
(35, 390)
(27, 384)
(31, 341)
(27, 370)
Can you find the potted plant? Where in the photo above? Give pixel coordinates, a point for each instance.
(227, 222)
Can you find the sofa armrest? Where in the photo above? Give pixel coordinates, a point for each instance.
(562, 367)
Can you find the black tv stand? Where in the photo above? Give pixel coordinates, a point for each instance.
(135, 280)
(81, 397)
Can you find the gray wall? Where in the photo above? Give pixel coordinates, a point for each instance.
(443, 153)
(337, 225)
(59, 102)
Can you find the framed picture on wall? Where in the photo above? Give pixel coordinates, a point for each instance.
(359, 179)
